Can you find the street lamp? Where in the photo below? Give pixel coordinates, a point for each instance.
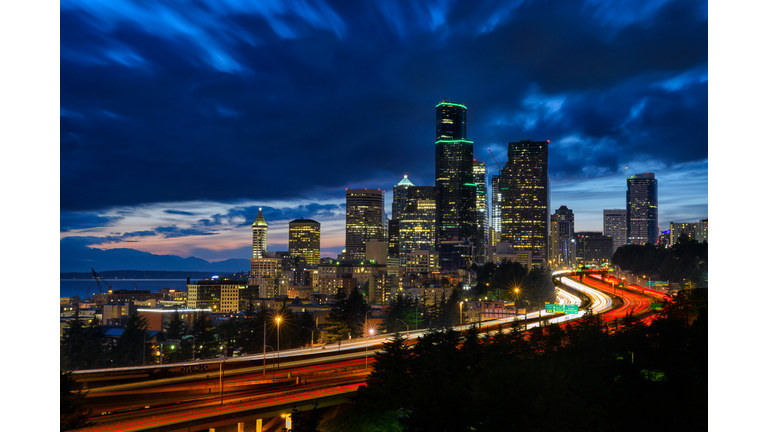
(312, 344)
(461, 314)
(370, 331)
(278, 342)
(407, 328)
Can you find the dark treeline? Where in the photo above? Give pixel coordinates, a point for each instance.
(84, 345)
(684, 261)
(573, 378)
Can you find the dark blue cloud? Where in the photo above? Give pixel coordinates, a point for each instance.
(227, 101)
(174, 231)
(76, 220)
(179, 212)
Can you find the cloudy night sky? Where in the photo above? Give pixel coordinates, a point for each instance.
(179, 119)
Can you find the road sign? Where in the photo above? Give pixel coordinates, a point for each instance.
(559, 308)
(656, 283)
(549, 308)
(656, 306)
(571, 309)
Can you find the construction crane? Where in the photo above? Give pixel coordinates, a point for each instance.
(97, 277)
(494, 159)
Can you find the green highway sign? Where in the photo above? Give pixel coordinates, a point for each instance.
(549, 307)
(656, 283)
(656, 306)
(559, 308)
(571, 309)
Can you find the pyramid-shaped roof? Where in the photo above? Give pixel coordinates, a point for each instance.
(405, 182)
(260, 221)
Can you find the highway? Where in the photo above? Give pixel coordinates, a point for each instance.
(305, 374)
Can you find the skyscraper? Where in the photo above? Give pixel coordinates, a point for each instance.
(495, 209)
(524, 198)
(418, 222)
(615, 226)
(365, 210)
(642, 209)
(560, 235)
(456, 189)
(399, 196)
(480, 173)
(304, 240)
(259, 236)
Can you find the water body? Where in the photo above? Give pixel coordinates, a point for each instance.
(73, 287)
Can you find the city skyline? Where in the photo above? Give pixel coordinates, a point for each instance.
(168, 194)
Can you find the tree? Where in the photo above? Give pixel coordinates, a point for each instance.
(131, 345)
(82, 346)
(205, 341)
(175, 329)
(388, 381)
(72, 415)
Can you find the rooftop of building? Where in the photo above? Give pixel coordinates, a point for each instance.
(405, 181)
(302, 220)
(223, 281)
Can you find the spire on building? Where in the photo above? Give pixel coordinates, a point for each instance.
(260, 221)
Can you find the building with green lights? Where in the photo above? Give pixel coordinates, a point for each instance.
(454, 180)
(524, 188)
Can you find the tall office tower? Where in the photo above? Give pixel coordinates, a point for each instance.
(524, 212)
(562, 229)
(399, 196)
(259, 236)
(615, 226)
(304, 240)
(642, 209)
(393, 234)
(480, 173)
(418, 224)
(456, 189)
(495, 209)
(365, 209)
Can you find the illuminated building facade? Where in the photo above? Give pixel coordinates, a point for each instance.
(561, 232)
(399, 197)
(418, 224)
(219, 295)
(495, 229)
(615, 226)
(642, 209)
(480, 173)
(592, 248)
(259, 236)
(304, 240)
(393, 243)
(454, 180)
(365, 211)
(524, 188)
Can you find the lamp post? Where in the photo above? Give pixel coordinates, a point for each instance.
(312, 344)
(461, 314)
(278, 342)
(407, 328)
(264, 368)
(370, 331)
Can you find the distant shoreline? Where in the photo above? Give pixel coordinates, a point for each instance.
(151, 275)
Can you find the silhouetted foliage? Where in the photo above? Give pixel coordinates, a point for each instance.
(572, 377)
(684, 261)
(72, 415)
(83, 346)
